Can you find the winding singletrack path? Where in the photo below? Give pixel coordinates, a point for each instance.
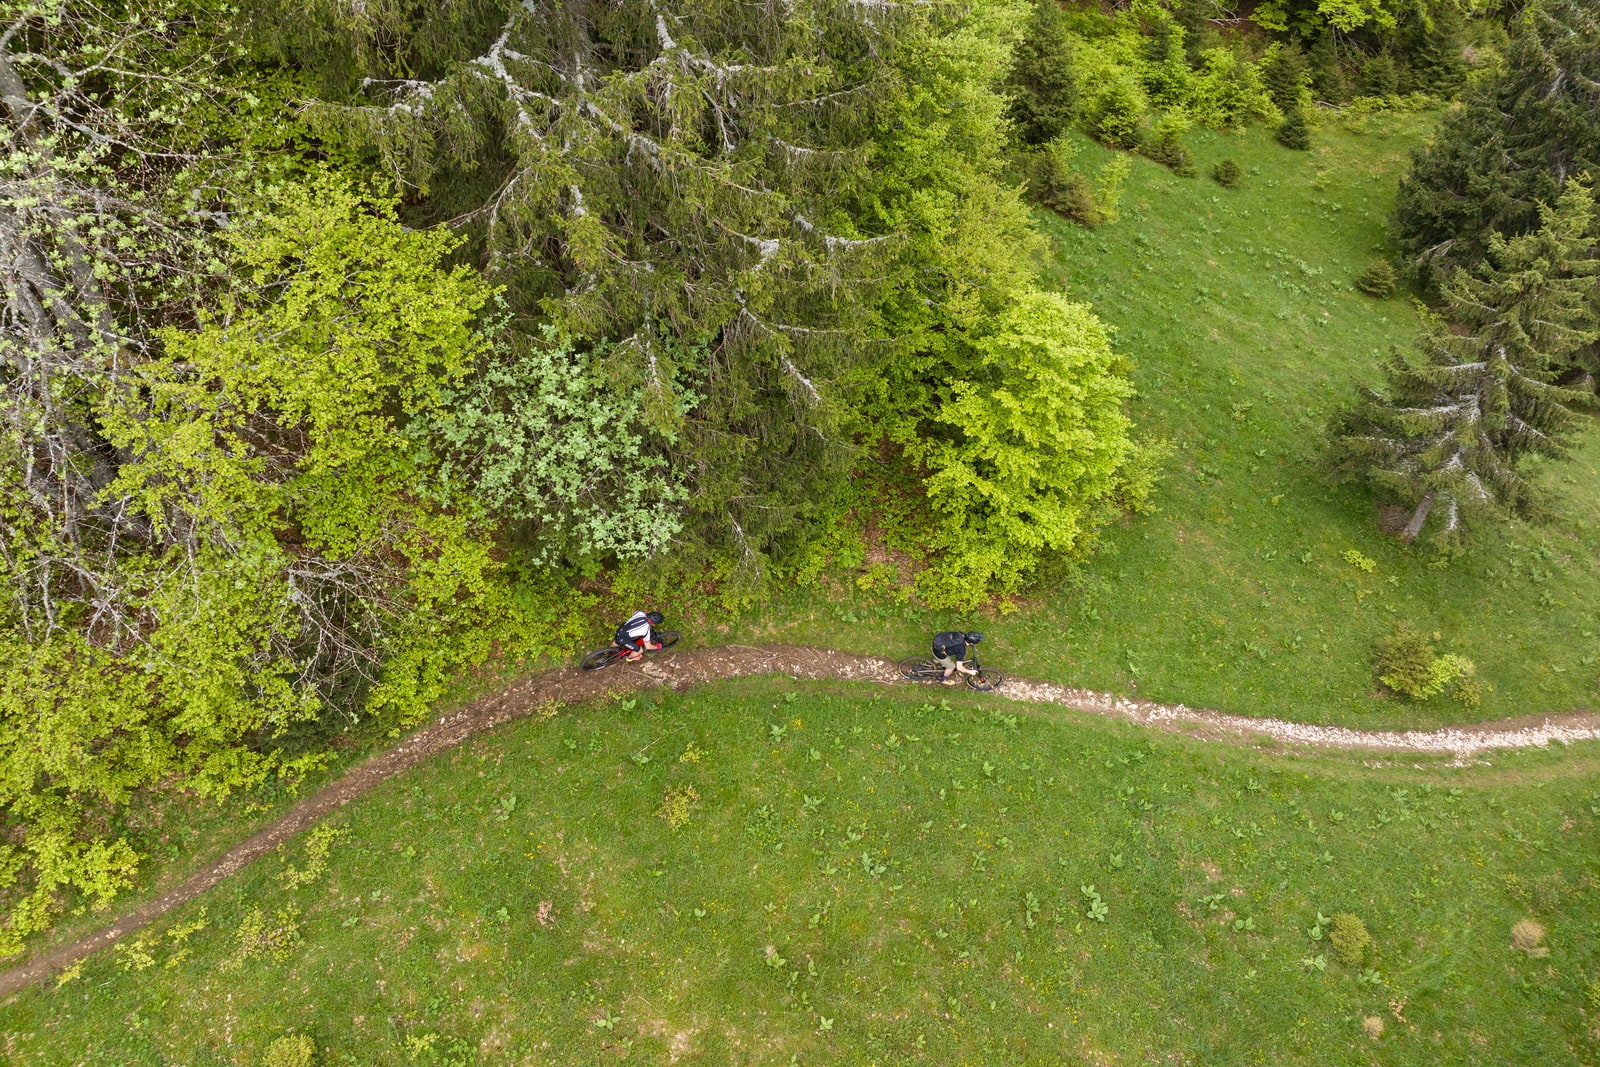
(568, 685)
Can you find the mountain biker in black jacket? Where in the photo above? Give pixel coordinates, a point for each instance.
(951, 650)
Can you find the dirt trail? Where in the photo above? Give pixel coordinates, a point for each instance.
(567, 685)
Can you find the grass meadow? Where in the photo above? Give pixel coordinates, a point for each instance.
(1237, 312)
(758, 872)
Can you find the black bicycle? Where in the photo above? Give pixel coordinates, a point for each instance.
(923, 669)
(613, 653)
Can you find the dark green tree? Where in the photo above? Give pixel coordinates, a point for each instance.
(1379, 77)
(1042, 84)
(1287, 75)
(1451, 426)
(1294, 132)
(1515, 142)
(1438, 61)
(1328, 81)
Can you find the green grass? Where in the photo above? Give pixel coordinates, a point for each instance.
(1238, 313)
(868, 878)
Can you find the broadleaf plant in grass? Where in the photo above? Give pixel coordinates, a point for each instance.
(1452, 427)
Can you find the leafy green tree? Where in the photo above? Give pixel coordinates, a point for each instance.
(1516, 141)
(1042, 83)
(1452, 426)
(1031, 461)
(561, 456)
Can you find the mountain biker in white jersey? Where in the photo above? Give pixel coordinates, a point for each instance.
(638, 633)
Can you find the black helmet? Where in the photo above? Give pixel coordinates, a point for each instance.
(973, 639)
(655, 618)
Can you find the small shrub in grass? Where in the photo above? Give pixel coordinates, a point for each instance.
(1407, 665)
(1349, 938)
(1226, 173)
(1295, 132)
(1166, 145)
(291, 1050)
(676, 804)
(1378, 279)
(1528, 936)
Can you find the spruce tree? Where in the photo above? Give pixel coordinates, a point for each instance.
(1452, 426)
(1514, 143)
(1438, 59)
(1379, 77)
(1328, 80)
(1294, 132)
(1287, 74)
(1043, 84)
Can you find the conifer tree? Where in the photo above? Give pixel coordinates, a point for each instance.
(1043, 84)
(1438, 60)
(1294, 132)
(1515, 142)
(1328, 80)
(1452, 426)
(1287, 75)
(638, 172)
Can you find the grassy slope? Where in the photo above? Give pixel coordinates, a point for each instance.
(421, 943)
(1237, 311)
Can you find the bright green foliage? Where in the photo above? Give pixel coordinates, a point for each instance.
(1043, 84)
(1453, 427)
(1124, 74)
(298, 568)
(1114, 113)
(1166, 146)
(1518, 138)
(291, 1050)
(550, 446)
(1349, 938)
(1031, 461)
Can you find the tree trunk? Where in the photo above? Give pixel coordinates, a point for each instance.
(1414, 527)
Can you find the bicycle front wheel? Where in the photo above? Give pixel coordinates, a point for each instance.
(668, 638)
(986, 680)
(601, 657)
(920, 669)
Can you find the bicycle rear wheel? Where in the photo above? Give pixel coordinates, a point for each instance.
(601, 657)
(668, 638)
(920, 669)
(986, 680)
